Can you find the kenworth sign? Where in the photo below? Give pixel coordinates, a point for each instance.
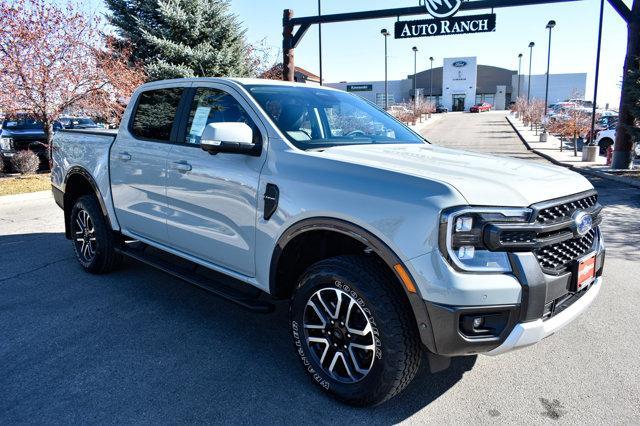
(437, 27)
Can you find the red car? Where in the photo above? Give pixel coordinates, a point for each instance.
(482, 107)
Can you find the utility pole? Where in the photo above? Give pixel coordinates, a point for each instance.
(622, 152)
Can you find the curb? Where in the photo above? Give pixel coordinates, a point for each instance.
(620, 179)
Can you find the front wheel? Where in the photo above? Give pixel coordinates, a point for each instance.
(93, 240)
(353, 330)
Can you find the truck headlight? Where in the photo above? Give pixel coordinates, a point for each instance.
(462, 240)
(6, 144)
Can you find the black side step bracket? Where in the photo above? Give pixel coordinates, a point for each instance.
(248, 300)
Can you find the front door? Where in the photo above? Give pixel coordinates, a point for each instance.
(138, 165)
(458, 103)
(213, 199)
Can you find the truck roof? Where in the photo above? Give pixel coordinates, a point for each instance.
(236, 80)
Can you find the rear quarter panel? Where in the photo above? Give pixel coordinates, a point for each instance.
(73, 150)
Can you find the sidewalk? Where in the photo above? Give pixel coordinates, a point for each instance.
(551, 151)
(419, 127)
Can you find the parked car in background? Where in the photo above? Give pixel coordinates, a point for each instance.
(481, 107)
(399, 109)
(440, 109)
(77, 123)
(21, 134)
(604, 123)
(387, 248)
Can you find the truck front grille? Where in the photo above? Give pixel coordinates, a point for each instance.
(558, 257)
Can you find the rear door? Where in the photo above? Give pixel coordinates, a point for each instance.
(138, 162)
(213, 199)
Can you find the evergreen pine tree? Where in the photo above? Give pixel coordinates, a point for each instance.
(183, 38)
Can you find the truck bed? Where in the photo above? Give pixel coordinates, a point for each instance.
(87, 152)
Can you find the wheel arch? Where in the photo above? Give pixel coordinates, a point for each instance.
(77, 183)
(280, 287)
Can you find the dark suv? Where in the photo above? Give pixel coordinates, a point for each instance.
(20, 134)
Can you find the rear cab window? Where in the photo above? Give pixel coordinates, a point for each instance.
(155, 114)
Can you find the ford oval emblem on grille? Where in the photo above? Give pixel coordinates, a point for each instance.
(583, 222)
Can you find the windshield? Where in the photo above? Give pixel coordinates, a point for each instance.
(22, 123)
(314, 118)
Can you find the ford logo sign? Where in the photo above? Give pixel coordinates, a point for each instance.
(460, 64)
(442, 8)
(583, 223)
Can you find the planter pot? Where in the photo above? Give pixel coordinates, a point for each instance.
(590, 153)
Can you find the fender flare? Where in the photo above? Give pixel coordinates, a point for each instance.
(389, 257)
(77, 170)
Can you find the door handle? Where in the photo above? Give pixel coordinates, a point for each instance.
(124, 156)
(181, 166)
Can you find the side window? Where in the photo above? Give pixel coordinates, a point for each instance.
(155, 114)
(214, 106)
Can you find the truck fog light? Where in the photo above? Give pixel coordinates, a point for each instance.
(464, 224)
(477, 322)
(466, 252)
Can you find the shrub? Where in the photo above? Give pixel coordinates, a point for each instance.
(25, 162)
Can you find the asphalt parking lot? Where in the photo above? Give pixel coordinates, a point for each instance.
(138, 346)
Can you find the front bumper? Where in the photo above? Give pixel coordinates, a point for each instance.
(529, 333)
(542, 305)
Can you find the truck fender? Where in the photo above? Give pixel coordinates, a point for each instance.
(371, 242)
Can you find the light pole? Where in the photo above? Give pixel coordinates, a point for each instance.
(550, 26)
(592, 136)
(519, 73)
(531, 45)
(320, 40)
(543, 136)
(415, 72)
(385, 33)
(431, 89)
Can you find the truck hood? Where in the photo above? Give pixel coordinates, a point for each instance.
(483, 180)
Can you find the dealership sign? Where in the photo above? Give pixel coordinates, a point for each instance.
(437, 27)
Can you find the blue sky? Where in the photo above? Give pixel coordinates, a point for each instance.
(354, 51)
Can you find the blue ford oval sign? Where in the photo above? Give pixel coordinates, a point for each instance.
(460, 64)
(583, 223)
(442, 8)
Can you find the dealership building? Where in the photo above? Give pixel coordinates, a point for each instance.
(460, 83)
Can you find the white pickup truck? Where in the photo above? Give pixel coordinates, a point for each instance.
(389, 249)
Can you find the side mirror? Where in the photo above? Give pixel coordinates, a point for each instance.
(230, 138)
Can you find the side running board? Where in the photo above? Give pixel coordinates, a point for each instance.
(248, 300)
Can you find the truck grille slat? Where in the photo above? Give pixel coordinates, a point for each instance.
(564, 211)
(558, 257)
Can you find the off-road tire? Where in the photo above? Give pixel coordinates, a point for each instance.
(105, 257)
(380, 295)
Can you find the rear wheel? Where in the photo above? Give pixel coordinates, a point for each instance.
(354, 331)
(93, 240)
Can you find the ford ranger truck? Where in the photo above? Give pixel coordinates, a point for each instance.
(390, 250)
